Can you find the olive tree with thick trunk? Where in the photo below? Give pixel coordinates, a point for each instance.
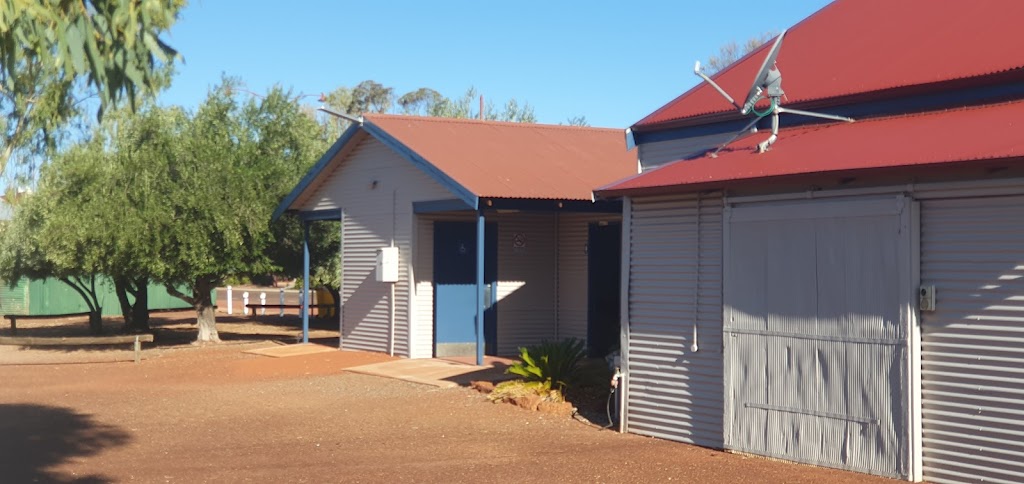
(238, 159)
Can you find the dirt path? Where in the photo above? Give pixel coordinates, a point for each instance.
(218, 415)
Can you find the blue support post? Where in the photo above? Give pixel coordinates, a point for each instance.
(480, 289)
(305, 281)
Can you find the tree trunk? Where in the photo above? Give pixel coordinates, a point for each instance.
(141, 309)
(205, 316)
(136, 314)
(96, 321)
(120, 287)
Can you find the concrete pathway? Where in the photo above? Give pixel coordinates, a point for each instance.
(436, 372)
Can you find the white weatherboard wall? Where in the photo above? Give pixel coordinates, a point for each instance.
(972, 250)
(817, 317)
(527, 274)
(376, 187)
(674, 319)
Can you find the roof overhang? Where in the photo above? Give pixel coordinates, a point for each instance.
(966, 135)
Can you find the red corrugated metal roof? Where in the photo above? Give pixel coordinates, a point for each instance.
(860, 46)
(515, 160)
(977, 133)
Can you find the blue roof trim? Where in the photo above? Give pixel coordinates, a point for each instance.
(315, 171)
(318, 215)
(461, 192)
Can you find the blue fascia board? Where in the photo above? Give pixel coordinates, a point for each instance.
(462, 193)
(319, 215)
(529, 205)
(433, 206)
(914, 103)
(315, 170)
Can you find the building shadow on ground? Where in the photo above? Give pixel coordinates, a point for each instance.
(37, 438)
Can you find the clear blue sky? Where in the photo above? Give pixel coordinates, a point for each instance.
(613, 62)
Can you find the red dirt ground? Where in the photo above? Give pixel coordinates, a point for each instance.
(215, 414)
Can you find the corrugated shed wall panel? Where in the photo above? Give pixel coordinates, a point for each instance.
(972, 250)
(573, 236)
(816, 338)
(526, 280)
(376, 187)
(675, 283)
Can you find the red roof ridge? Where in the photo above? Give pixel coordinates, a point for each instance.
(510, 124)
(851, 33)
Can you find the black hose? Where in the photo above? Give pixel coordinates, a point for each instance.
(608, 409)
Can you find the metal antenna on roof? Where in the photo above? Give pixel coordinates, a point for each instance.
(767, 84)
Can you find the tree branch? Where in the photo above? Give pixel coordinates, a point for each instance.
(80, 291)
(180, 295)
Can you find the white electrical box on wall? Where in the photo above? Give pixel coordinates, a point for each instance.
(926, 301)
(387, 264)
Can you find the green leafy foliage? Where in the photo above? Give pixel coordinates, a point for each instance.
(161, 195)
(555, 363)
(55, 53)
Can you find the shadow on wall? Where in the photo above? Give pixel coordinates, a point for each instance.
(367, 295)
(37, 438)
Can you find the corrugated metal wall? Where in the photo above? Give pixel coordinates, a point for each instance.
(656, 153)
(572, 275)
(816, 348)
(526, 292)
(376, 187)
(972, 250)
(14, 300)
(675, 319)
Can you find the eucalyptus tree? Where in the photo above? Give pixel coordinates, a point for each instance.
(55, 53)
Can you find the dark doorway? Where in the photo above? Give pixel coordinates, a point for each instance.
(455, 288)
(604, 255)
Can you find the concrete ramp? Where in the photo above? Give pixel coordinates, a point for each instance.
(434, 372)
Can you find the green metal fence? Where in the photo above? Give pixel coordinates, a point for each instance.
(50, 296)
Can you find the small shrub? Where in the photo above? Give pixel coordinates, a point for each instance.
(553, 363)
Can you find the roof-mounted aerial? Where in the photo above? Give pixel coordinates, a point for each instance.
(767, 84)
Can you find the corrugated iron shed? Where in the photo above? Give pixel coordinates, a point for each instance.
(968, 134)
(855, 47)
(515, 160)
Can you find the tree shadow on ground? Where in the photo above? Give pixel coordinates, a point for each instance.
(36, 438)
(177, 328)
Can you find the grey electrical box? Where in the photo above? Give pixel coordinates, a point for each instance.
(926, 300)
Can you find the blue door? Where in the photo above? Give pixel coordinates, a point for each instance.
(455, 288)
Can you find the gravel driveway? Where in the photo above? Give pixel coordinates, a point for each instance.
(216, 414)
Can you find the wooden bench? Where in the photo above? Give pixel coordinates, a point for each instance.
(135, 339)
(15, 317)
(254, 307)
